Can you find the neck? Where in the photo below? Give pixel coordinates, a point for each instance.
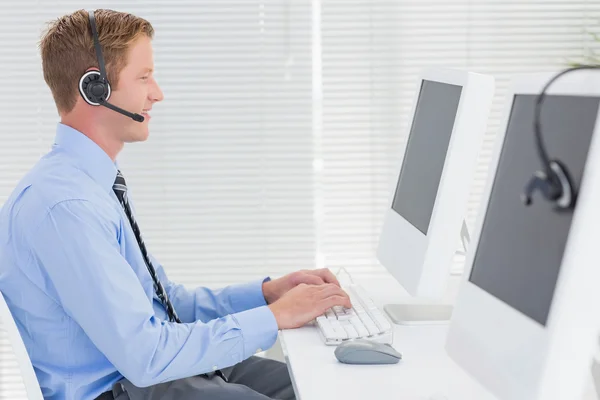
(99, 135)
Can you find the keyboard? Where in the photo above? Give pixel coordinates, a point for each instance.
(363, 321)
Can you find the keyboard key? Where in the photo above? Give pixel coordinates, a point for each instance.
(358, 308)
(359, 326)
(372, 328)
(338, 310)
(343, 313)
(339, 331)
(352, 333)
(326, 328)
(369, 324)
(383, 323)
(370, 305)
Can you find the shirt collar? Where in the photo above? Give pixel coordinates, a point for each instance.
(91, 159)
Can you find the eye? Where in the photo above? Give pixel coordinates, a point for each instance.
(144, 78)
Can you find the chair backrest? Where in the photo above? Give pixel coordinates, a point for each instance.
(32, 385)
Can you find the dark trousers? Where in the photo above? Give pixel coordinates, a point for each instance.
(256, 378)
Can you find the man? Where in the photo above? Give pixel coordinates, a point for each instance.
(97, 313)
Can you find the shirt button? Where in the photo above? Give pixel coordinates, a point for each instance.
(259, 350)
(214, 368)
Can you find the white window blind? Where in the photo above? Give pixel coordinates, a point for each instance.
(224, 184)
(372, 53)
(267, 153)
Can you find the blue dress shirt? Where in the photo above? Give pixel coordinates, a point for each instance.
(76, 283)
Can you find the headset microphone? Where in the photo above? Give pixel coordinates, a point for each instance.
(554, 181)
(94, 86)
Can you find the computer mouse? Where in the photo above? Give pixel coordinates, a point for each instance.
(363, 351)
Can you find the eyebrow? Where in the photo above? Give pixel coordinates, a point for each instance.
(147, 70)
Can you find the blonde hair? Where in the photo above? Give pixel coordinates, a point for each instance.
(67, 50)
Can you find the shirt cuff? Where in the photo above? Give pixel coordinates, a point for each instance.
(259, 329)
(246, 296)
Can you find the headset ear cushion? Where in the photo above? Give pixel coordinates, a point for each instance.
(92, 90)
(567, 198)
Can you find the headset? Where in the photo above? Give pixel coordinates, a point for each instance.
(94, 86)
(554, 181)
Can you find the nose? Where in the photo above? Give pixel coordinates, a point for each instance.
(156, 93)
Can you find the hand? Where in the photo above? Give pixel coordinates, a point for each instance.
(305, 302)
(273, 290)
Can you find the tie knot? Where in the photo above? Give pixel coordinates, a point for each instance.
(120, 187)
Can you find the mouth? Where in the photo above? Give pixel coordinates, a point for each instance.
(146, 113)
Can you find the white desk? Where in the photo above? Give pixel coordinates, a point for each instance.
(424, 373)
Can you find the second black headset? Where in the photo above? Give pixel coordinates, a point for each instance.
(554, 180)
(94, 86)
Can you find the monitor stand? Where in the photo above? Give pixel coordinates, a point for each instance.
(427, 313)
(419, 314)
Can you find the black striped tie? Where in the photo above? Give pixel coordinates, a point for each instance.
(120, 189)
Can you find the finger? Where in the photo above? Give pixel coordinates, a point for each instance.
(330, 289)
(337, 300)
(326, 275)
(311, 279)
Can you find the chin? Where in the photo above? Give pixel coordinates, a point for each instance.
(139, 136)
(144, 135)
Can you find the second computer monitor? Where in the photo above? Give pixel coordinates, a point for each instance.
(527, 314)
(426, 211)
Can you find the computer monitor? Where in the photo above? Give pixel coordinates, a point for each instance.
(427, 207)
(527, 313)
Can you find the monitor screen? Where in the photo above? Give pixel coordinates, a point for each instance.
(520, 248)
(425, 153)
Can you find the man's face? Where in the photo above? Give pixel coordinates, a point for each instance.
(137, 91)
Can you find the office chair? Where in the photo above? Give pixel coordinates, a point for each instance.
(32, 385)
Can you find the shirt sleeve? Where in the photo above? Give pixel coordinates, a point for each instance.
(98, 289)
(205, 304)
